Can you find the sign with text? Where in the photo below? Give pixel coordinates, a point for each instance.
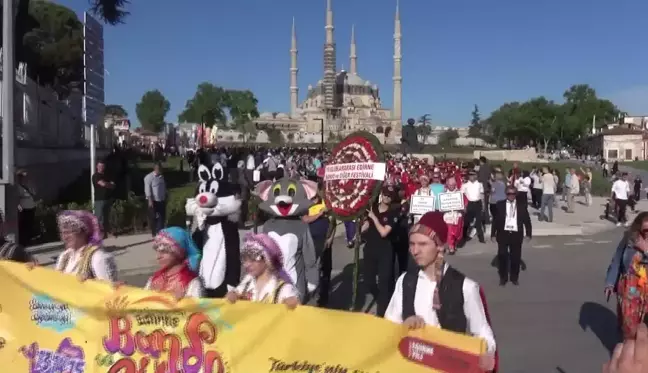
(357, 171)
(451, 201)
(52, 322)
(420, 205)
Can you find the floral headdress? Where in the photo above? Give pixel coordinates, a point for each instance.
(264, 246)
(81, 221)
(178, 241)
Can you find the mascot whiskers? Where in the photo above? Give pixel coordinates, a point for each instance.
(286, 201)
(215, 210)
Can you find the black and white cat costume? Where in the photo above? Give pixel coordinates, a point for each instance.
(216, 210)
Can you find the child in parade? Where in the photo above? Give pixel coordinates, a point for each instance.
(179, 261)
(265, 280)
(454, 219)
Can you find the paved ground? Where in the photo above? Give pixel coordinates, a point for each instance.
(557, 320)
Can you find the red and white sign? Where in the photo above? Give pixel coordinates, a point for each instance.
(356, 171)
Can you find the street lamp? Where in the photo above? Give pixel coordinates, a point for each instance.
(321, 131)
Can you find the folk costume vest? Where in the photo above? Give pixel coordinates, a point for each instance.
(246, 294)
(163, 282)
(83, 268)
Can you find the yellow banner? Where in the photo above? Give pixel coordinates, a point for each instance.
(52, 323)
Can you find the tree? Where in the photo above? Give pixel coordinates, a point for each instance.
(581, 106)
(207, 106)
(448, 137)
(152, 109)
(242, 106)
(475, 128)
(116, 111)
(424, 127)
(274, 136)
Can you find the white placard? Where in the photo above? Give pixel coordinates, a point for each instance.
(451, 201)
(419, 205)
(355, 171)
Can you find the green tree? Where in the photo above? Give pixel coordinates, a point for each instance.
(116, 111)
(538, 120)
(274, 136)
(424, 127)
(242, 106)
(208, 104)
(448, 137)
(475, 128)
(581, 106)
(152, 109)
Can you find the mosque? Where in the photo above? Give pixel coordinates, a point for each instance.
(341, 102)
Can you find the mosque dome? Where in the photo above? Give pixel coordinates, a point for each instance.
(354, 79)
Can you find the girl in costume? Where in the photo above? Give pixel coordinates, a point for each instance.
(627, 276)
(265, 281)
(84, 255)
(454, 219)
(179, 259)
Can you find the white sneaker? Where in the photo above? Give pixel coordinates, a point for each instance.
(618, 224)
(627, 224)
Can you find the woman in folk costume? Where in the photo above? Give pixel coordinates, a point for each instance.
(454, 219)
(84, 255)
(179, 261)
(265, 280)
(435, 294)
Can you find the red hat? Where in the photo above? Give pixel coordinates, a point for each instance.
(432, 225)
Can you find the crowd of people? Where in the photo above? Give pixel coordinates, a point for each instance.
(403, 253)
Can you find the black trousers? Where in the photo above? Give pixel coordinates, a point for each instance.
(26, 219)
(474, 212)
(325, 268)
(536, 197)
(379, 265)
(509, 255)
(621, 205)
(157, 216)
(523, 199)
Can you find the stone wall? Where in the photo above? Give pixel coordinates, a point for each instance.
(518, 155)
(50, 170)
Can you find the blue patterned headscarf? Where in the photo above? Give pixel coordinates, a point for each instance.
(179, 240)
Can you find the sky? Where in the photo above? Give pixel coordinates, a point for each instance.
(455, 53)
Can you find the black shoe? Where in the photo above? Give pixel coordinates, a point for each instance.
(482, 240)
(515, 282)
(502, 282)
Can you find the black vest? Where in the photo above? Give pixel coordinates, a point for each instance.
(451, 315)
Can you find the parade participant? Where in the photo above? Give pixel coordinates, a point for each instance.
(285, 201)
(179, 260)
(424, 190)
(454, 219)
(512, 224)
(84, 255)
(265, 279)
(627, 276)
(433, 292)
(437, 187)
(379, 251)
(473, 190)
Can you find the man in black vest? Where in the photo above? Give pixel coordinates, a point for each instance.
(512, 221)
(436, 294)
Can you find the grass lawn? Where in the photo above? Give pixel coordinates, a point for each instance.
(639, 165)
(600, 186)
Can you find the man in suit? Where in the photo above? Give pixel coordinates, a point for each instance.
(511, 224)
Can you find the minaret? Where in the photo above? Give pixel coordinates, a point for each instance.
(294, 89)
(398, 79)
(329, 59)
(354, 58)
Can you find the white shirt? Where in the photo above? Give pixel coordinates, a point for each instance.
(522, 184)
(248, 284)
(537, 181)
(510, 220)
(473, 190)
(102, 264)
(548, 184)
(574, 184)
(250, 162)
(621, 188)
(194, 290)
(478, 325)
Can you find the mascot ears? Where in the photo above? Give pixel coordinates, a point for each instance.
(263, 189)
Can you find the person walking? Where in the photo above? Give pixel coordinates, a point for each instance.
(103, 189)
(574, 190)
(156, 195)
(548, 195)
(620, 195)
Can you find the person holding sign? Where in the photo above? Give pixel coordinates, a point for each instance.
(425, 191)
(513, 222)
(434, 293)
(453, 215)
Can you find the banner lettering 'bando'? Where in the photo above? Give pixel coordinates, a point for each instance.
(51, 322)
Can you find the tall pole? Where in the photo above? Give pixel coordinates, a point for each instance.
(9, 208)
(322, 132)
(93, 160)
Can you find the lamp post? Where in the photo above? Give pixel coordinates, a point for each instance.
(321, 132)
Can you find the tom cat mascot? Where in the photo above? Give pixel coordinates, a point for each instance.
(215, 211)
(285, 201)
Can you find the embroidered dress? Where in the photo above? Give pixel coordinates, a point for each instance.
(275, 290)
(89, 262)
(632, 294)
(454, 220)
(185, 281)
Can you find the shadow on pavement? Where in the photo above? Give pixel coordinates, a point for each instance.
(342, 290)
(603, 323)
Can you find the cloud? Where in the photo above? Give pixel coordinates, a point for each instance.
(633, 100)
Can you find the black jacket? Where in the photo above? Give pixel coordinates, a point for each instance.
(523, 220)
